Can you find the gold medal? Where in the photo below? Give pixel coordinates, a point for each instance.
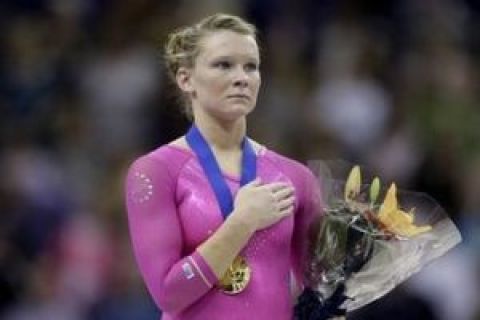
(236, 278)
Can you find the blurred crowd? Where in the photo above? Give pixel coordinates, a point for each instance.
(393, 85)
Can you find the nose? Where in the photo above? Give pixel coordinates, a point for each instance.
(240, 78)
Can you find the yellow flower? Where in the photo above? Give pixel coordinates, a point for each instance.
(374, 190)
(353, 184)
(397, 221)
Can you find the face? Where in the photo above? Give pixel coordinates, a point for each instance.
(225, 79)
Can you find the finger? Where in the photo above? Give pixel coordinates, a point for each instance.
(284, 193)
(288, 211)
(281, 195)
(276, 186)
(285, 203)
(255, 182)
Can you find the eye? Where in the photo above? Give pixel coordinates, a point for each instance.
(251, 66)
(222, 64)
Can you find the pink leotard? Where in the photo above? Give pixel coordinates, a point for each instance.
(172, 210)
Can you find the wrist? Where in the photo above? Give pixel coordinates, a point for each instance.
(240, 222)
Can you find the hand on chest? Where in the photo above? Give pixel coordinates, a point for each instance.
(200, 214)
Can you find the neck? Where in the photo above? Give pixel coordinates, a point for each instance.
(225, 136)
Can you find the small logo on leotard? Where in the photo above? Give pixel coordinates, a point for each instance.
(141, 188)
(188, 271)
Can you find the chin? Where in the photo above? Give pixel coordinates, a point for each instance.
(234, 112)
(239, 111)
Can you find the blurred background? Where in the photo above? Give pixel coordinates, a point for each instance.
(393, 85)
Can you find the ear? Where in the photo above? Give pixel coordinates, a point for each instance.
(184, 79)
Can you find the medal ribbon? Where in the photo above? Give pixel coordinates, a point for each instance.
(210, 166)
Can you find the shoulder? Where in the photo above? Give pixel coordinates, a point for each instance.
(166, 159)
(304, 180)
(257, 147)
(289, 166)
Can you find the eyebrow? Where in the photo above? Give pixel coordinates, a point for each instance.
(226, 57)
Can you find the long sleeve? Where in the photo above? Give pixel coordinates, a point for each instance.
(308, 212)
(174, 281)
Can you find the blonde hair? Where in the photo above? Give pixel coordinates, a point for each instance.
(184, 44)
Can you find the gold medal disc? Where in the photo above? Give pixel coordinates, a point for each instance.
(236, 278)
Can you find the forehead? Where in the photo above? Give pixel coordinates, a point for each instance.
(228, 43)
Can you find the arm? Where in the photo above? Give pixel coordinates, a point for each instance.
(308, 212)
(256, 207)
(174, 282)
(157, 241)
(225, 244)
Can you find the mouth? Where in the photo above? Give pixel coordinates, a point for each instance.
(239, 96)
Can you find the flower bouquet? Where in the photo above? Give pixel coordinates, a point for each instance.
(368, 240)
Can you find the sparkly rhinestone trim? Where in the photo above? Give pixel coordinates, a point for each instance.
(141, 188)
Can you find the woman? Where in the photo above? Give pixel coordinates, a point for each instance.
(218, 221)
